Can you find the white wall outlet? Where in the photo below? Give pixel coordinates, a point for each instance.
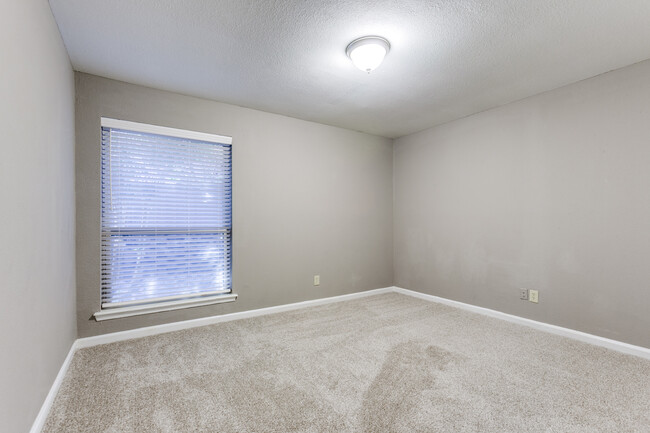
(316, 280)
(523, 294)
(533, 296)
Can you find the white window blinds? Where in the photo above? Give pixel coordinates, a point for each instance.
(166, 215)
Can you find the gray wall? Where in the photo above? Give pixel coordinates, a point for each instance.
(549, 193)
(308, 199)
(37, 279)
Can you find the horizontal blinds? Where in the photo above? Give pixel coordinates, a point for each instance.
(166, 218)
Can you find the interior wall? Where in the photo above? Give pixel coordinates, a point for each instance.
(549, 193)
(37, 270)
(307, 199)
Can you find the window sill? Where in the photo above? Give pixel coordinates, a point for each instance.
(116, 313)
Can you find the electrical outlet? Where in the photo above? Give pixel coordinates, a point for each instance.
(523, 294)
(316, 280)
(533, 296)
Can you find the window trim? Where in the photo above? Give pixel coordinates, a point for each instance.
(107, 122)
(120, 311)
(116, 313)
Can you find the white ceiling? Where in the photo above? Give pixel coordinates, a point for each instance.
(449, 58)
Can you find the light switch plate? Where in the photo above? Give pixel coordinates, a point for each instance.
(533, 296)
(316, 280)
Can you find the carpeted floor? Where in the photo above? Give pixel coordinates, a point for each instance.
(385, 363)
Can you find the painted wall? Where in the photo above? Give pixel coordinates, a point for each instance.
(307, 199)
(549, 193)
(37, 270)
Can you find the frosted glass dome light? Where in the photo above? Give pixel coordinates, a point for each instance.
(368, 52)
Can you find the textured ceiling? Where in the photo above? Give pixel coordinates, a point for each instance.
(449, 58)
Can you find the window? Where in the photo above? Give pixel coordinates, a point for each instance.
(166, 219)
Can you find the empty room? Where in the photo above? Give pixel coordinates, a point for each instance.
(325, 216)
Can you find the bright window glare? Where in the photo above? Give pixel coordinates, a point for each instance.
(166, 217)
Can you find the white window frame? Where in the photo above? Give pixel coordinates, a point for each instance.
(171, 304)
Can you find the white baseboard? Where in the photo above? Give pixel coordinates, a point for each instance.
(618, 346)
(170, 327)
(177, 326)
(39, 422)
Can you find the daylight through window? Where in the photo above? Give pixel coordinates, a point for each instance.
(166, 231)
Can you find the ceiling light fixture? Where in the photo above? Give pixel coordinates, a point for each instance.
(367, 52)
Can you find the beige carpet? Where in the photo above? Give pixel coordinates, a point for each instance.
(385, 363)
